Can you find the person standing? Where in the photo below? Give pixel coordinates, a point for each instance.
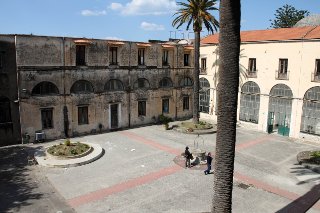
(209, 161)
(187, 155)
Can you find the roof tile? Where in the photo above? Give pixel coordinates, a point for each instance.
(280, 34)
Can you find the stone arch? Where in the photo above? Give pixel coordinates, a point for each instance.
(165, 82)
(45, 88)
(186, 82)
(82, 86)
(141, 83)
(310, 118)
(114, 85)
(250, 102)
(280, 107)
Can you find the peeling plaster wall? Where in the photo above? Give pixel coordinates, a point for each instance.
(62, 71)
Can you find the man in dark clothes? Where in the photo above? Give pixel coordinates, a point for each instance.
(209, 161)
(188, 156)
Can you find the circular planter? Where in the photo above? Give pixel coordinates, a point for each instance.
(70, 157)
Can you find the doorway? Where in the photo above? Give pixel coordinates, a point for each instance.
(114, 116)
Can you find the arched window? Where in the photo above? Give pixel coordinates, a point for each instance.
(204, 95)
(113, 85)
(280, 107)
(82, 86)
(5, 113)
(310, 119)
(141, 83)
(185, 82)
(250, 102)
(165, 82)
(45, 88)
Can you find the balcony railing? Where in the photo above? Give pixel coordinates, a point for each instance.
(203, 71)
(252, 74)
(282, 75)
(315, 77)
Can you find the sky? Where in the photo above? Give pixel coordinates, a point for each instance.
(132, 20)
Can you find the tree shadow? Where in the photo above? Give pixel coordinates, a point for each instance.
(303, 203)
(306, 174)
(17, 185)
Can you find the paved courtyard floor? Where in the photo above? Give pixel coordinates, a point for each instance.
(137, 173)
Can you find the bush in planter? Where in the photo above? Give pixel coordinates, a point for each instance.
(164, 120)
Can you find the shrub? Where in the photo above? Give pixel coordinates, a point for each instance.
(315, 154)
(164, 119)
(67, 142)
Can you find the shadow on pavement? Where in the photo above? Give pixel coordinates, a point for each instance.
(16, 183)
(303, 203)
(305, 175)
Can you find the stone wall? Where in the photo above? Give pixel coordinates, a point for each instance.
(61, 70)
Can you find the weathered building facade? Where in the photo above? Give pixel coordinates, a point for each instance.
(64, 87)
(279, 80)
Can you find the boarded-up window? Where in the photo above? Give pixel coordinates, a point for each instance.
(83, 115)
(46, 118)
(141, 108)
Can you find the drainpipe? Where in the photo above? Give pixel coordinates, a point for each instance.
(65, 108)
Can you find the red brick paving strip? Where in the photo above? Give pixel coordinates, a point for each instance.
(251, 143)
(275, 190)
(100, 194)
(138, 138)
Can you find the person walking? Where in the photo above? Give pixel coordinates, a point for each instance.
(209, 161)
(188, 157)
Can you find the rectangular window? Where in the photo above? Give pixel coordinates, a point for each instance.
(113, 55)
(186, 103)
(203, 63)
(141, 108)
(186, 59)
(165, 105)
(83, 115)
(252, 65)
(141, 56)
(283, 65)
(80, 55)
(165, 55)
(317, 71)
(46, 118)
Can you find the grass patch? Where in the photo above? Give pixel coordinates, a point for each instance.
(190, 126)
(68, 149)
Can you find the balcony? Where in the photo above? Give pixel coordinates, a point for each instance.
(315, 77)
(280, 75)
(203, 71)
(252, 74)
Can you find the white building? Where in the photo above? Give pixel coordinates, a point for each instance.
(279, 80)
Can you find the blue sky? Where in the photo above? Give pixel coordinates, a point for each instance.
(134, 20)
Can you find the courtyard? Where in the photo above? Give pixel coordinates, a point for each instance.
(137, 173)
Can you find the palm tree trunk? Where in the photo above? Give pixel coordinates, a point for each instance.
(229, 43)
(196, 114)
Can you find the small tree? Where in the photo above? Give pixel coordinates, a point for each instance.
(287, 16)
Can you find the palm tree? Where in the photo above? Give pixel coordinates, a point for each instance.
(229, 43)
(196, 12)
